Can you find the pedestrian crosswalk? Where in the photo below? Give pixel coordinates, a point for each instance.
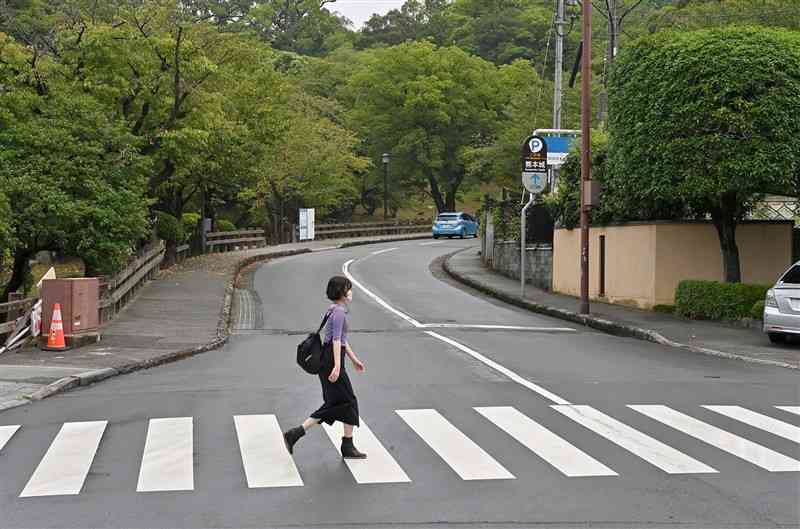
(168, 457)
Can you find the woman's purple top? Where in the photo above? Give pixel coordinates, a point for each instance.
(336, 326)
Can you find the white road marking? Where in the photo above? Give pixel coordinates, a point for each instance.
(733, 444)
(431, 243)
(266, 461)
(651, 450)
(379, 466)
(167, 461)
(64, 467)
(468, 459)
(6, 433)
(491, 363)
(495, 327)
(567, 458)
(758, 420)
(384, 251)
(790, 409)
(502, 369)
(378, 300)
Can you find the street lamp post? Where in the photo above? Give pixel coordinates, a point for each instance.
(586, 156)
(386, 158)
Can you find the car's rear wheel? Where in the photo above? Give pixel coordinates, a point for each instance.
(777, 337)
(435, 236)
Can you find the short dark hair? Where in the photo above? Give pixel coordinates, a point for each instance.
(338, 287)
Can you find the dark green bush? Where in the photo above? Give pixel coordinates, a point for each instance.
(757, 312)
(168, 227)
(711, 300)
(224, 225)
(189, 221)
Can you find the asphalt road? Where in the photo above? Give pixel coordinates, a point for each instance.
(466, 424)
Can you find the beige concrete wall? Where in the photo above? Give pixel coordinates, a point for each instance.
(645, 262)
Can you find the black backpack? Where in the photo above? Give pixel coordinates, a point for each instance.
(310, 350)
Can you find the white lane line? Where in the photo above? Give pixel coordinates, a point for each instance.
(266, 461)
(6, 433)
(733, 444)
(790, 409)
(167, 461)
(564, 456)
(495, 327)
(64, 467)
(757, 420)
(378, 467)
(379, 301)
(491, 363)
(384, 251)
(431, 243)
(465, 457)
(502, 369)
(651, 450)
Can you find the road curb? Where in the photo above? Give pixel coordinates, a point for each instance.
(223, 333)
(601, 324)
(381, 241)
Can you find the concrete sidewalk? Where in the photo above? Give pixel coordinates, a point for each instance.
(185, 311)
(698, 336)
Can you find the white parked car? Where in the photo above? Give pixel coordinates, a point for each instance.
(782, 306)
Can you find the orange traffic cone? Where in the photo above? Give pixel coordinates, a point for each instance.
(55, 340)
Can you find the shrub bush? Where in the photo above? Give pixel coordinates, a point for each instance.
(189, 221)
(168, 227)
(224, 225)
(712, 300)
(757, 312)
(664, 309)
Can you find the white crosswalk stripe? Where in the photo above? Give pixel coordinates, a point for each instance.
(265, 459)
(790, 409)
(651, 450)
(465, 457)
(567, 458)
(167, 461)
(733, 444)
(379, 467)
(6, 433)
(757, 420)
(64, 467)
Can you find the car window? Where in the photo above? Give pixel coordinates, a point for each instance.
(450, 216)
(792, 276)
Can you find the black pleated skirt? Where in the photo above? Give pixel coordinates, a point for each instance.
(340, 402)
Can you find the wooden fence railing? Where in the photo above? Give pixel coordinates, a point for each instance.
(223, 241)
(9, 312)
(118, 290)
(340, 231)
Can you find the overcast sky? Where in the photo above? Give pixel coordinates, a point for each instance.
(359, 11)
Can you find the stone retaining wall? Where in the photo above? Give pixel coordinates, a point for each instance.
(538, 263)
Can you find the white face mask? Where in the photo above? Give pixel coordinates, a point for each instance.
(349, 296)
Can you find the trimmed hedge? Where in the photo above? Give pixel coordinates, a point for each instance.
(757, 312)
(712, 300)
(168, 227)
(224, 225)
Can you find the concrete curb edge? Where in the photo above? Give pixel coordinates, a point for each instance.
(604, 325)
(223, 333)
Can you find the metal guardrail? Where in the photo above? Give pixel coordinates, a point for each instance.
(117, 291)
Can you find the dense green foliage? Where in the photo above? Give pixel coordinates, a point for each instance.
(757, 312)
(711, 300)
(168, 227)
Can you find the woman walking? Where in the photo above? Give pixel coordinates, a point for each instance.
(340, 403)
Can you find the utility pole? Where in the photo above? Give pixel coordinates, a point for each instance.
(386, 157)
(557, 96)
(586, 148)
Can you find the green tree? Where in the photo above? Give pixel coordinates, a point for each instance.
(427, 106)
(415, 20)
(704, 123)
(73, 175)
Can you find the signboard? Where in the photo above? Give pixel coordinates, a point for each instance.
(307, 224)
(534, 164)
(559, 144)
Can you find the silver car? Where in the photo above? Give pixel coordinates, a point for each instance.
(782, 306)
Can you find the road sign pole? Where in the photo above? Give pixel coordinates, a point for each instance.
(523, 221)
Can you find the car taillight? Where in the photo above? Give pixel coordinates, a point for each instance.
(770, 300)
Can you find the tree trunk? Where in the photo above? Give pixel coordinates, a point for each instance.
(170, 254)
(450, 201)
(436, 194)
(725, 221)
(18, 274)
